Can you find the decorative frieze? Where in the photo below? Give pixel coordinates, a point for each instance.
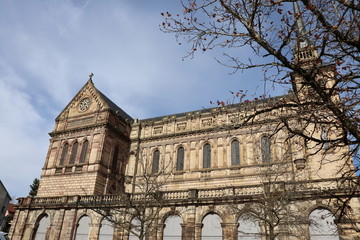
(80, 122)
(180, 126)
(158, 130)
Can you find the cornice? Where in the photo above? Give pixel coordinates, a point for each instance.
(215, 129)
(89, 127)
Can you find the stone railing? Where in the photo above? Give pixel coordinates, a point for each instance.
(184, 195)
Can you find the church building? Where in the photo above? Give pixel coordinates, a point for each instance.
(204, 174)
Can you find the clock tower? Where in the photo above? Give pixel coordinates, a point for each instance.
(89, 147)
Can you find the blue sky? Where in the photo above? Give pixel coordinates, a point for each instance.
(48, 49)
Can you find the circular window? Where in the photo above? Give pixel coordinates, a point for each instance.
(84, 104)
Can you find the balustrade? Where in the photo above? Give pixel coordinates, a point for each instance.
(174, 195)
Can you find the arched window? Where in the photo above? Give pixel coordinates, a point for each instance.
(325, 138)
(207, 156)
(73, 153)
(180, 159)
(136, 229)
(235, 153)
(83, 227)
(41, 228)
(155, 163)
(172, 228)
(265, 149)
(249, 228)
(114, 165)
(322, 225)
(106, 230)
(212, 227)
(64, 153)
(84, 150)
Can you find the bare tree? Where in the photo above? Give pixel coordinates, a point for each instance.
(311, 47)
(274, 208)
(137, 212)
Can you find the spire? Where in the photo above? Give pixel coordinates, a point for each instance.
(305, 51)
(300, 29)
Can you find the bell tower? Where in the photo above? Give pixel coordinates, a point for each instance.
(88, 148)
(307, 57)
(305, 51)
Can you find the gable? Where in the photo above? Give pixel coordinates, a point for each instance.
(90, 100)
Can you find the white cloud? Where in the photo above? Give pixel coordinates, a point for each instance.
(23, 142)
(49, 48)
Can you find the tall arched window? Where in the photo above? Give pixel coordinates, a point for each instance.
(74, 153)
(114, 164)
(64, 153)
(84, 150)
(207, 156)
(41, 228)
(180, 159)
(249, 228)
(155, 163)
(235, 153)
(172, 228)
(265, 149)
(106, 230)
(83, 227)
(322, 225)
(325, 138)
(136, 229)
(211, 227)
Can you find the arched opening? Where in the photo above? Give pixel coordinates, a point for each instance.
(155, 163)
(235, 153)
(322, 225)
(249, 228)
(83, 227)
(180, 159)
(265, 149)
(207, 156)
(74, 153)
(114, 163)
(106, 230)
(84, 150)
(136, 229)
(64, 153)
(41, 228)
(172, 230)
(211, 229)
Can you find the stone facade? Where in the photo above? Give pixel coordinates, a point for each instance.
(208, 164)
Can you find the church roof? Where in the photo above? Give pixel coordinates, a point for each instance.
(113, 106)
(227, 106)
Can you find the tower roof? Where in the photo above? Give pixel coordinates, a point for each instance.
(102, 101)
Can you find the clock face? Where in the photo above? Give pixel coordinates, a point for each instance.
(84, 104)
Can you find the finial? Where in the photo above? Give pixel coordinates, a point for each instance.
(90, 76)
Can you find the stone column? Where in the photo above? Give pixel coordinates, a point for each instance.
(160, 231)
(229, 231)
(120, 233)
(187, 231)
(152, 232)
(57, 225)
(28, 231)
(94, 231)
(346, 230)
(52, 231)
(198, 228)
(17, 227)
